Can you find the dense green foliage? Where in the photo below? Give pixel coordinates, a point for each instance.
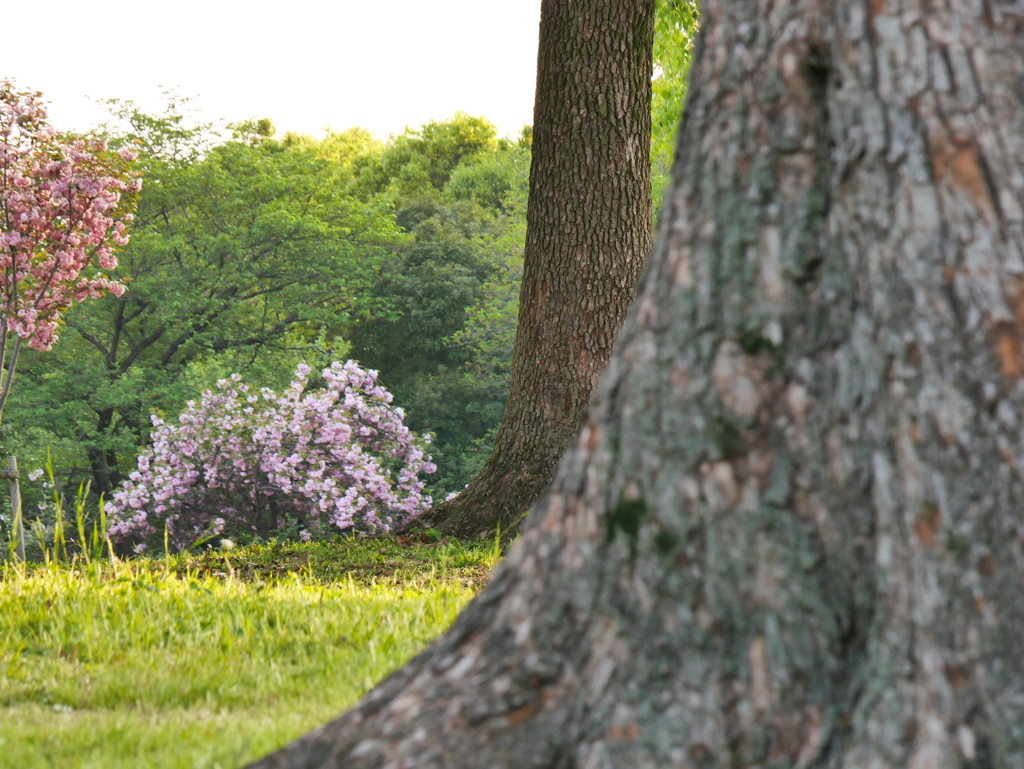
(461, 195)
(248, 253)
(675, 32)
(252, 254)
(211, 660)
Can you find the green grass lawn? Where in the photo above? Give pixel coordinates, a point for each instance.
(210, 661)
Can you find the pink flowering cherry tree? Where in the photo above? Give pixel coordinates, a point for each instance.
(319, 461)
(63, 210)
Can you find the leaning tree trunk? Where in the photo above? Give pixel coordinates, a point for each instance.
(588, 234)
(790, 533)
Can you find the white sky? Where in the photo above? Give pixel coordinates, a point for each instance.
(381, 64)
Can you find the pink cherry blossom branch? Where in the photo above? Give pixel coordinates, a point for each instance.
(64, 202)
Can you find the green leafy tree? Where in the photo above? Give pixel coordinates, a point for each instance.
(422, 160)
(675, 31)
(248, 248)
(443, 307)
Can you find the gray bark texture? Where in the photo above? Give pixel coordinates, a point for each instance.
(790, 533)
(588, 234)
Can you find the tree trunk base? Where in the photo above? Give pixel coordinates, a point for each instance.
(496, 501)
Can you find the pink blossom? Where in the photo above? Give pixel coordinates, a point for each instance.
(317, 457)
(58, 220)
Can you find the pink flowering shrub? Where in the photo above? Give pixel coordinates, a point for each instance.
(241, 462)
(61, 213)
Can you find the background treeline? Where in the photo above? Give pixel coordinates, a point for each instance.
(252, 252)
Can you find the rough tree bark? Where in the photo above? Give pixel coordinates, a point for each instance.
(790, 532)
(588, 235)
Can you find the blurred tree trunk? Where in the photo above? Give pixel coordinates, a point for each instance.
(103, 462)
(790, 532)
(588, 235)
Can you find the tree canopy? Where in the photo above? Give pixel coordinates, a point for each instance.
(253, 253)
(243, 248)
